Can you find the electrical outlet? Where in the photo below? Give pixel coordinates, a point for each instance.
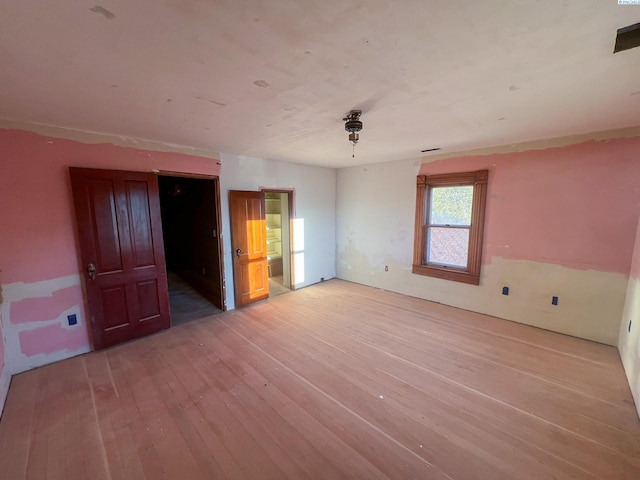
(505, 290)
(386, 268)
(554, 300)
(72, 319)
(322, 279)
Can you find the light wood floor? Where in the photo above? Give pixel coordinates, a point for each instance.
(331, 381)
(276, 286)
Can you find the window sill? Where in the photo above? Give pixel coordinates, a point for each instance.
(447, 274)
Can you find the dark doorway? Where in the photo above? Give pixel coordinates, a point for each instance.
(191, 231)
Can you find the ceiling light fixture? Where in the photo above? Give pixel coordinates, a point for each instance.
(353, 125)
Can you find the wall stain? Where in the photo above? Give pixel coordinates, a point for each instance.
(103, 11)
(350, 258)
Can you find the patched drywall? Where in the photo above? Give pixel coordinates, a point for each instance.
(589, 303)
(35, 322)
(38, 309)
(85, 137)
(314, 225)
(629, 339)
(39, 257)
(559, 222)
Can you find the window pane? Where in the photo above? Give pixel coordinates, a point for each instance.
(450, 205)
(447, 246)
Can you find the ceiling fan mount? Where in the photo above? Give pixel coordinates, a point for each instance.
(352, 121)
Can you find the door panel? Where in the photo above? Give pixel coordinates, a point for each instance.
(120, 232)
(102, 197)
(148, 299)
(114, 305)
(259, 276)
(249, 247)
(140, 225)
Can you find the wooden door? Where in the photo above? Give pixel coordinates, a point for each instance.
(249, 247)
(120, 232)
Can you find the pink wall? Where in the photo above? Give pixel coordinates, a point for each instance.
(38, 247)
(36, 195)
(4, 374)
(581, 210)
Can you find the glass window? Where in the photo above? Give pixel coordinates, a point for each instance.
(449, 225)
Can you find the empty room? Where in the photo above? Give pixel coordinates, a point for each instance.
(350, 239)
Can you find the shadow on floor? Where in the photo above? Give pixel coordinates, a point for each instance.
(276, 286)
(186, 303)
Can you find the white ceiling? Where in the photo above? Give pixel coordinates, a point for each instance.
(274, 78)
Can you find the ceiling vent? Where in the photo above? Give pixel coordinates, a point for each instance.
(627, 37)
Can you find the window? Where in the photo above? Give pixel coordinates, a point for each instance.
(449, 225)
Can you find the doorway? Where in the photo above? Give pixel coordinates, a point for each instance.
(190, 210)
(279, 210)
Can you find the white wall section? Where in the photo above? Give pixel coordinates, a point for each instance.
(315, 212)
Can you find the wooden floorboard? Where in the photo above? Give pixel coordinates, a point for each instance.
(334, 381)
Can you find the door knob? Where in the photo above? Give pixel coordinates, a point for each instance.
(238, 252)
(91, 270)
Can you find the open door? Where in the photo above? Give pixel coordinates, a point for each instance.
(119, 227)
(190, 208)
(249, 247)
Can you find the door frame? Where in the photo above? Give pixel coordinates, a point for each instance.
(290, 198)
(218, 209)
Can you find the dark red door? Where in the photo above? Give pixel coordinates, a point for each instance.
(120, 231)
(249, 245)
